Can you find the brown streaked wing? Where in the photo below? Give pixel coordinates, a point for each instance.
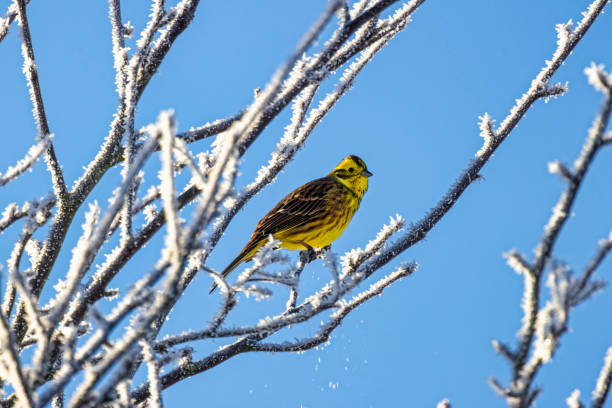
(304, 204)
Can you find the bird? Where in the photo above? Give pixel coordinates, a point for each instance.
(311, 216)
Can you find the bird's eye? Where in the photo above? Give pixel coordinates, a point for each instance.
(351, 170)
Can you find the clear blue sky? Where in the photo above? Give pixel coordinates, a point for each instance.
(412, 116)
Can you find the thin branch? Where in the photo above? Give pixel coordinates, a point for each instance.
(33, 209)
(37, 214)
(138, 295)
(7, 20)
(602, 388)
(27, 162)
(605, 246)
(336, 318)
(180, 19)
(10, 357)
(155, 398)
(31, 73)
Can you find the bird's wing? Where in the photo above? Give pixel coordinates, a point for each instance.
(304, 204)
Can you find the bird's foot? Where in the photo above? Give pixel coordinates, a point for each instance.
(308, 255)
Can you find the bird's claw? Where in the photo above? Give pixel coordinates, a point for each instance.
(308, 255)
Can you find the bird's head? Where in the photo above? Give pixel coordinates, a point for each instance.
(353, 173)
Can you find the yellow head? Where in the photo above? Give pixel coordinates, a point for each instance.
(353, 173)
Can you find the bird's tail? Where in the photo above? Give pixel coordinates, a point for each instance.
(244, 255)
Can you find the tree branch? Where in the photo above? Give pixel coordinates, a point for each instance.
(31, 73)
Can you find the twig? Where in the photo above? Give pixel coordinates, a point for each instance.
(155, 399)
(7, 20)
(27, 162)
(602, 388)
(11, 359)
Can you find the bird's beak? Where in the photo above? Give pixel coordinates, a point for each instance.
(366, 173)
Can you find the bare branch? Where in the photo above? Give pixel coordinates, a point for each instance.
(504, 350)
(561, 170)
(517, 262)
(344, 308)
(155, 399)
(31, 73)
(602, 388)
(10, 358)
(573, 401)
(27, 162)
(32, 209)
(549, 323)
(445, 403)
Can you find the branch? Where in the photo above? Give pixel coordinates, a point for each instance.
(7, 20)
(138, 295)
(155, 399)
(251, 342)
(602, 388)
(336, 318)
(32, 209)
(10, 358)
(27, 162)
(445, 403)
(549, 323)
(180, 19)
(31, 73)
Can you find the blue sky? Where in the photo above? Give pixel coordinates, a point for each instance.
(412, 116)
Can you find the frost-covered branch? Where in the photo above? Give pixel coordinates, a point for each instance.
(31, 209)
(11, 363)
(367, 29)
(174, 22)
(445, 403)
(139, 295)
(344, 308)
(31, 72)
(27, 162)
(36, 213)
(602, 387)
(543, 327)
(155, 399)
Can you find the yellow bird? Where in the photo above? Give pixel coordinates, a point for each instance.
(312, 216)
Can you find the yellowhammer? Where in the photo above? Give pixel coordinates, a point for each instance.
(312, 216)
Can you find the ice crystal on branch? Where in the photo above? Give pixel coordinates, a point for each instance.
(564, 33)
(556, 167)
(487, 132)
(573, 401)
(27, 162)
(445, 403)
(599, 78)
